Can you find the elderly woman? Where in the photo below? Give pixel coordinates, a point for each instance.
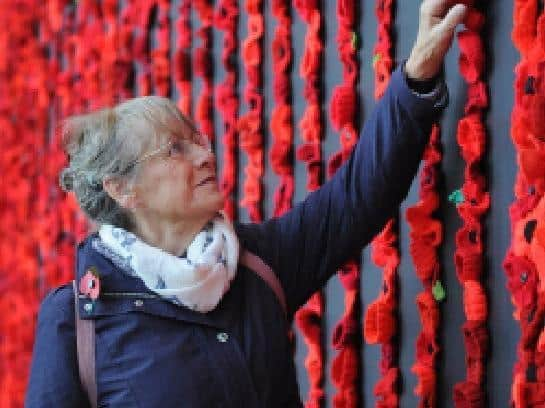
(186, 316)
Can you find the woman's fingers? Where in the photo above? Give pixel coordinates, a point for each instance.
(438, 20)
(437, 8)
(454, 17)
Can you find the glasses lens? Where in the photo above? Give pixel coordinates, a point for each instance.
(202, 140)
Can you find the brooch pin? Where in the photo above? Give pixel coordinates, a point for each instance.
(89, 285)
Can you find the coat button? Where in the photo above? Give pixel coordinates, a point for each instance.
(222, 337)
(139, 303)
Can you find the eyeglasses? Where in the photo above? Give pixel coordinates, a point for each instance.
(178, 147)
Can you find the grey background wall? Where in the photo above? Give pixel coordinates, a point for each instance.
(500, 166)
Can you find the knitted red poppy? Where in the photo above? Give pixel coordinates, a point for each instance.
(471, 55)
(472, 204)
(342, 112)
(386, 389)
(475, 305)
(428, 311)
(427, 383)
(227, 101)
(309, 152)
(344, 368)
(477, 97)
(308, 319)
(250, 124)
(522, 280)
(468, 395)
(343, 106)
(426, 233)
(281, 118)
(379, 323)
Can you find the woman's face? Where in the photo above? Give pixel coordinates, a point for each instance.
(176, 177)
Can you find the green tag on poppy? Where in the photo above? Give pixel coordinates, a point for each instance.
(456, 197)
(354, 40)
(438, 291)
(376, 58)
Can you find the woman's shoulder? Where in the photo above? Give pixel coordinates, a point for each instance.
(58, 304)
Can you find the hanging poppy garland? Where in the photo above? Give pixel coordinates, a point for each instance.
(345, 369)
(203, 67)
(472, 203)
(426, 234)
(160, 55)
(24, 119)
(309, 317)
(281, 124)
(182, 58)
(227, 101)
(524, 263)
(142, 14)
(380, 322)
(36, 245)
(250, 124)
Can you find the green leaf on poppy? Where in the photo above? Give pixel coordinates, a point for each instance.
(354, 40)
(456, 197)
(438, 291)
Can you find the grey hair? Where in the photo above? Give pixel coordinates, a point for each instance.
(108, 142)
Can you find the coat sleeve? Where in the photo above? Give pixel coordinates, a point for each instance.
(54, 378)
(306, 245)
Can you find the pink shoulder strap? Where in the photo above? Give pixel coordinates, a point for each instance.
(257, 265)
(85, 344)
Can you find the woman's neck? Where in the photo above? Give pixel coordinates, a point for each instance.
(172, 237)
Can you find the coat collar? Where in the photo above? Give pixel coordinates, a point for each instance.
(114, 280)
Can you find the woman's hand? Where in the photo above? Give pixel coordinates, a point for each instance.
(438, 20)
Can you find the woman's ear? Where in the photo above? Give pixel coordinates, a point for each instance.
(121, 190)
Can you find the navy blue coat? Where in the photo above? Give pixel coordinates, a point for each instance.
(152, 353)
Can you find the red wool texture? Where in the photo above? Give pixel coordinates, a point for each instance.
(160, 55)
(203, 68)
(281, 124)
(250, 124)
(380, 320)
(524, 263)
(309, 317)
(475, 201)
(68, 60)
(345, 369)
(182, 58)
(426, 235)
(227, 100)
(142, 17)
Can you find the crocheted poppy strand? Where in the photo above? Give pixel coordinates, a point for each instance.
(250, 124)
(309, 318)
(67, 60)
(182, 58)
(426, 234)
(160, 55)
(380, 320)
(24, 85)
(524, 263)
(142, 15)
(472, 203)
(203, 68)
(281, 124)
(227, 100)
(345, 368)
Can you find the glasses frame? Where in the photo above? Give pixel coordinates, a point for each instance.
(204, 142)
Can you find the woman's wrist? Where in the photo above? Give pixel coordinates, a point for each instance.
(421, 84)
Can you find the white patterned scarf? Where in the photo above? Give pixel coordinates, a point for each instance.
(198, 279)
